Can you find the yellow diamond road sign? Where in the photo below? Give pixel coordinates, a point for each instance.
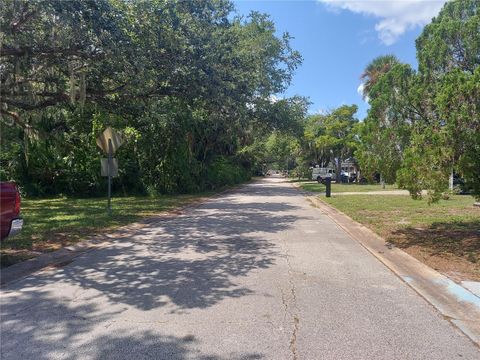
(113, 135)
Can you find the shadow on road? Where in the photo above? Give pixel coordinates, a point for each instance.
(190, 261)
(183, 262)
(68, 332)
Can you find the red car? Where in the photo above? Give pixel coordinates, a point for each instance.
(10, 220)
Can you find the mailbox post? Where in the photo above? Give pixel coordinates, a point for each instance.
(328, 186)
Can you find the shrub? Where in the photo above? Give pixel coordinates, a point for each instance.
(223, 171)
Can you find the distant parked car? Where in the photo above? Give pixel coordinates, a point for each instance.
(320, 174)
(10, 220)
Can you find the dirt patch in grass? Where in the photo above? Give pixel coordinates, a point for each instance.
(452, 248)
(445, 236)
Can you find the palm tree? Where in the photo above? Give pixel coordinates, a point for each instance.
(379, 66)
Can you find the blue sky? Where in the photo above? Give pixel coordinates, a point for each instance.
(338, 38)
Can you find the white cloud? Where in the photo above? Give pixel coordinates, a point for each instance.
(360, 88)
(396, 16)
(360, 91)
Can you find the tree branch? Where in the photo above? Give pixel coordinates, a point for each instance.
(16, 118)
(8, 50)
(58, 98)
(15, 26)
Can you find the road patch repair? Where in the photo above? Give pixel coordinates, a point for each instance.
(458, 304)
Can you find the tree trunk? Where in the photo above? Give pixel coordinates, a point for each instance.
(450, 180)
(339, 170)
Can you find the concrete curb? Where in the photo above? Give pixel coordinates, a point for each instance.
(458, 305)
(67, 254)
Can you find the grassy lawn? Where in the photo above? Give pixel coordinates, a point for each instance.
(445, 236)
(50, 224)
(337, 188)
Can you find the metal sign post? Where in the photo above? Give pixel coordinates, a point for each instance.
(109, 170)
(109, 141)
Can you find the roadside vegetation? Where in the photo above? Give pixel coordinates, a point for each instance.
(423, 126)
(421, 130)
(195, 92)
(443, 235)
(52, 223)
(189, 84)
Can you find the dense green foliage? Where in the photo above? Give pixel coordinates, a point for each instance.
(188, 83)
(422, 126)
(425, 125)
(194, 89)
(321, 139)
(385, 132)
(329, 138)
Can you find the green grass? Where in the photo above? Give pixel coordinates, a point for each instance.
(445, 235)
(337, 188)
(369, 208)
(52, 223)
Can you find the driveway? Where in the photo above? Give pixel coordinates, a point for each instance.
(253, 274)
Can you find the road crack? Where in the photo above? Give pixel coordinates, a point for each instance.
(293, 340)
(292, 310)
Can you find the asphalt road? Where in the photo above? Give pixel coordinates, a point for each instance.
(253, 274)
